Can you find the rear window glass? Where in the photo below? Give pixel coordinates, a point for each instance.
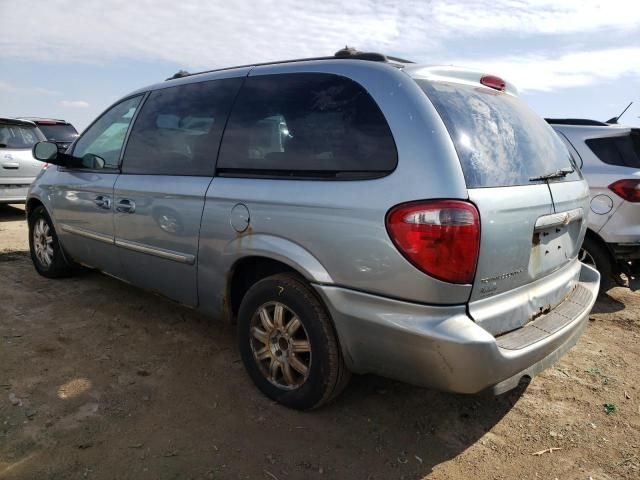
(178, 129)
(500, 141)
(59, 132)
(306, 125)
(623, 151)
(19, 136)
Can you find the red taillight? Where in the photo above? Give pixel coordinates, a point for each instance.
(627, 189)
(492, 81)
(440, 237)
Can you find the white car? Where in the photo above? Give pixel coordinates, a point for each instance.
(18, 168)
(609, 157)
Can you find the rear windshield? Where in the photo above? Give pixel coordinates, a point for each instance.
(19, 136)
(59, 132)
(623, 151)
(500, 141)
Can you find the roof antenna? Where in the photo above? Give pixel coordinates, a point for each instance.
(614, 120)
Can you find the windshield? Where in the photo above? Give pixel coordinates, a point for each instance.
(19, 136)
(500, 141)
(59, 132)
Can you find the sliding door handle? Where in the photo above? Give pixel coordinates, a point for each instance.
(102, 202)
(126, 206)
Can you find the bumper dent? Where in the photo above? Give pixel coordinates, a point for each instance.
(441, 347)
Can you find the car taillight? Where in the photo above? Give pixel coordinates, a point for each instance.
(440, 237)
(627, 189)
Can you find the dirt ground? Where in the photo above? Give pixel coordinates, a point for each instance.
(99, 380)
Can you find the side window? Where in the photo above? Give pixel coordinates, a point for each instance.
(306, 125)
(101, 144)
(179, 128)
(621, 151)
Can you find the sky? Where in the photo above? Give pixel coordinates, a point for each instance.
(72, 59)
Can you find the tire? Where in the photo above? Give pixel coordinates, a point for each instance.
(274, 352)
(595, 255)
(46, 252)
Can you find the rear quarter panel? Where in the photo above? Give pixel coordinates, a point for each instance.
(341, 224)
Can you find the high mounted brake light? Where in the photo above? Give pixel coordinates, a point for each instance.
(441, 237)
(494, 82)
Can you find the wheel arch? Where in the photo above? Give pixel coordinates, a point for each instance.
(245, 272)
(595, 237)
(256, 256)
(31, 205)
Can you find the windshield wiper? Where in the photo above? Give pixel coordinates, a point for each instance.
(563, 172)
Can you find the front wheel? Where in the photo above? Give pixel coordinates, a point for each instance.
(288, 344)
(46, 252)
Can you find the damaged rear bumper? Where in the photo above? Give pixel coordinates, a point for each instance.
(441, 347)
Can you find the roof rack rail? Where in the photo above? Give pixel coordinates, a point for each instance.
(47, 119)
(16, 121)
(178, 74)
(575, 121)
(348, 53)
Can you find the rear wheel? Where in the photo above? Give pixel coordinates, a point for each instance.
(595, 255)
(46, 252)
(288, 344)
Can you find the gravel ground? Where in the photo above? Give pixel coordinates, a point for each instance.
(99, 380)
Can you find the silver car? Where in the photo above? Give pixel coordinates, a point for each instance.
(18, 168)
(609, 157)
(355, 213)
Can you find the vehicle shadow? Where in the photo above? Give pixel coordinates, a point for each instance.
(178, 379)
(412, 429)
(607, 304)
(11, 213)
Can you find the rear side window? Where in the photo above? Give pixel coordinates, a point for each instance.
(178, 129)
(306, 125)
(623, 151)
(19, 136)
(500, 141)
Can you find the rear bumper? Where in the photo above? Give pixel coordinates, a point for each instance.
(441, 347)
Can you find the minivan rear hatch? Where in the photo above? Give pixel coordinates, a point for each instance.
(530, 195)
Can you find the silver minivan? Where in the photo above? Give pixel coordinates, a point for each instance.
(352, 214)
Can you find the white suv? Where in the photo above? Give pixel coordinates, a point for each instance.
(609, 156)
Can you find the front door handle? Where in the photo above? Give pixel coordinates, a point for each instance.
(126, 206)
(102, 202)
(11, 165)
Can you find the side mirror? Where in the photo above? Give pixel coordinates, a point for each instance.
(46, 152)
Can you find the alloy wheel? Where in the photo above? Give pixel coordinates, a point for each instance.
(280, 345)
(43, 242)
